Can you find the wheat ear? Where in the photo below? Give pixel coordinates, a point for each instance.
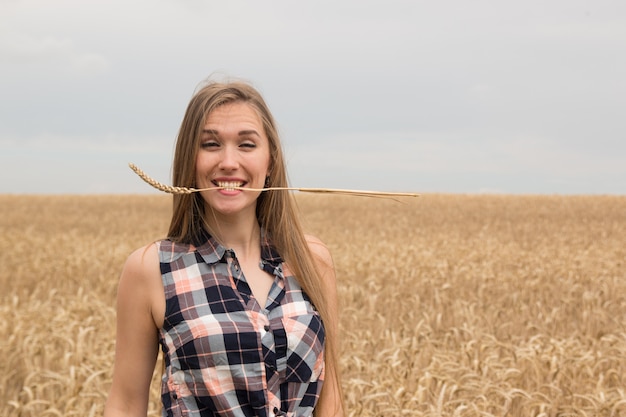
(184, 190)
(158, 185)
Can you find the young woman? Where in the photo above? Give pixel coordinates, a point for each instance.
(241, 302)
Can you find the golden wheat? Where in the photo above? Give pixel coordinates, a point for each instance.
(450, 305)
(158, 185)
(184, 190)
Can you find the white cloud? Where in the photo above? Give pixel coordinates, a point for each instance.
(390, 153)
(111, 142)
(20, 49)
(90, 64)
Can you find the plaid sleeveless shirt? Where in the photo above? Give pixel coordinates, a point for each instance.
(225, 355)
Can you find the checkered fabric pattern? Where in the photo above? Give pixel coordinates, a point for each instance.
(225, 355)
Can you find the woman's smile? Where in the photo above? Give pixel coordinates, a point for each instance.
(229, 185)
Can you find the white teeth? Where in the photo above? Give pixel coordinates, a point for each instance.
(229, 185)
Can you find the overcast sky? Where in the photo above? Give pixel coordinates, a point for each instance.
(455, 96)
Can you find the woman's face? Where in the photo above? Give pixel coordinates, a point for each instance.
(234, 152)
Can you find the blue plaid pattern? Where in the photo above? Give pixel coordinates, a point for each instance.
(225, 355)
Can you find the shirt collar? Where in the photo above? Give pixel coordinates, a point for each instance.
(212, 251)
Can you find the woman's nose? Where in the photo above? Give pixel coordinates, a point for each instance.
(229, 159)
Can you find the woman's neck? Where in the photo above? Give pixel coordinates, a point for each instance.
(239, 233)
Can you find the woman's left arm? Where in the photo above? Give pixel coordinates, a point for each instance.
(330, 403)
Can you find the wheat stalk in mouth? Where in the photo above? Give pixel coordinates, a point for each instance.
(184, 190)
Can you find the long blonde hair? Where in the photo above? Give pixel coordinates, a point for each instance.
(276, 210)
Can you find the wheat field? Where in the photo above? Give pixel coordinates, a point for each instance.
(451, 305)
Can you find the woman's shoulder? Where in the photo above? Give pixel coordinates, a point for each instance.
(316, 244)
(140, 289)
(143, 260)
(319, 249)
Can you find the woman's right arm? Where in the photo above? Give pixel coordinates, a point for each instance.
(139, 298)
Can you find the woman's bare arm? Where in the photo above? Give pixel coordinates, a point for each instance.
(136, 349)
(330, 404)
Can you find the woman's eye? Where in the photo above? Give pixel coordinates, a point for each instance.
(249, 145)
(210, 144)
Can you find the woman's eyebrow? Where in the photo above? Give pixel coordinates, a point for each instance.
(248, 132)
(241, 132)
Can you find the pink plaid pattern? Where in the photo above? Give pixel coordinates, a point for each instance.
(225, 355)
